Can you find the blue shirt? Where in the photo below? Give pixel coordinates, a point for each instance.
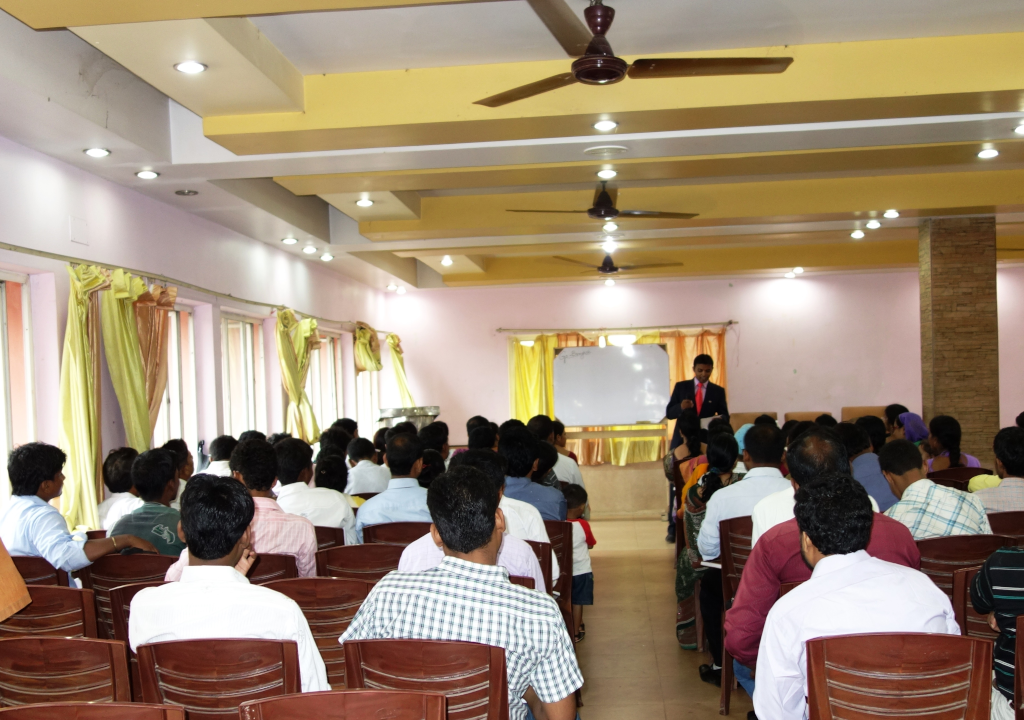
(867, 472)
(403, 501)
(549, 501)
(32, 527)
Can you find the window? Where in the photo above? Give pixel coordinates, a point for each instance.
(177, 418)
(323, 381)
(367, 403)
(245, 403)
(17, 420)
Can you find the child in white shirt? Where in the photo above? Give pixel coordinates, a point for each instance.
(582, 541)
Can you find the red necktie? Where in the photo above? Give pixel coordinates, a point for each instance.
(700, 396)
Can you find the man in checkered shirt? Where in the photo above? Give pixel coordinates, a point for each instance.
(470, 599)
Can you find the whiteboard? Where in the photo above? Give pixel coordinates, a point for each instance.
(611, 385)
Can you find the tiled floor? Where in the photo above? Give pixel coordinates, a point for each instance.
(633, 666)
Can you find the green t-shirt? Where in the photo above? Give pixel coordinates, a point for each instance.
(153, 522)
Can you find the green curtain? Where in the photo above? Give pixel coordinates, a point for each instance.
(296, 341)
(398, 365)
(79, 434)
(124, 355)
(367, 348)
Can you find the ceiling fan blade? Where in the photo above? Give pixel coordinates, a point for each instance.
(574, 262)
(656, 215)
(653, 68)
(564, 24)
(650, 265)
(527, 91)
(571, 212)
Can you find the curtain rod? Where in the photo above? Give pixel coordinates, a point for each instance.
(163, 278)
(727, 323)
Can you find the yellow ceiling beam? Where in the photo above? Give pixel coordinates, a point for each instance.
(834, 81)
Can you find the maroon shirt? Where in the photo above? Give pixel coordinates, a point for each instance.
(776, 560)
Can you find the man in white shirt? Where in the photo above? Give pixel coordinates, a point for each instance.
(323, 507)
(220, 456)
(214, 599)
(849, 592)
(365, 475)
(117, 476)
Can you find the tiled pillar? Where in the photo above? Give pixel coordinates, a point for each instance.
(959, 327)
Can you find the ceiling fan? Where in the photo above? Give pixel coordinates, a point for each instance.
(604, 209)
(599, 65)
(608, 266)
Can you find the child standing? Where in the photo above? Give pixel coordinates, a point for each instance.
(582, 541)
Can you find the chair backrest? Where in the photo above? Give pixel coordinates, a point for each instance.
(110, 571)
(892, 675)
(358, 562)
(269, 567)
(329, 605)
(54, 610)
(37, 669)
(972, 624)
(396, 533)
(786, 587)
(851, 413)
(96, 534)
(470, 675)
(327, 537)
(738, 420)
(120, 607)
(960, 475)
(1018, 669)
(734, 538)
(951, 483)
(1008, 524)
(801, 416)
(36, 571)
(543, 552)
(940, 557)
(211, 678)
(526, 582)
(91, 711)
(348, 705)
(560, 534)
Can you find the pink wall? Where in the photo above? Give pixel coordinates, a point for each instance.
(1010, 296)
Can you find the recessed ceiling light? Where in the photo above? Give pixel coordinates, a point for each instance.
(97, 152)
(873, 225)
(988, 153)
(891, 214)
(392, 287)
(790, 275)
(605, 125)
(798, 270)
(326, 257)
(447, 261)
(606, 174)
(1019, 129)
(609, 246)
(365, 202)
(610, 227)
(309, 249)
(601, 342)
(147, 175)
(401, 290)
(186, 193)
(527, 343)
(289, 241)
(190, 67)
(610, 283)
(606, 150)
(857, 234)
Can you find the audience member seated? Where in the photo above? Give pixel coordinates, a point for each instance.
(333, 441)
(929, 510)
(407, 428)
(322, 506)
(518, 447)
(433, 465)
(826, 421)
(365, 475)
(220, 456)
(483, 438)
(379, 441)
(1020, 421)
(892, 413)
(435, 437)
(690, 462)
(274, 531)
(547, 456)
(543, 428)
(582, 541)
(561, 441)
(31, 526)
(117, 476)
(944, 445)
(864, 464)
(848, 592)
(251, 435)
(875, 428)
(185, 465)
(404, 500)
(332, 472)
(1009, 494)
(156, 476)
(762, 455)
(910, 426)
(275, 438)
(765, 420)
(475, 422)
(213, 598)
(448, 602)
(348, 425)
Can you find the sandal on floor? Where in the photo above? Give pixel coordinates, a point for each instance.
(581, 633)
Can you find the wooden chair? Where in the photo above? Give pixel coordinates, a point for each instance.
(522, 580)
(54, 610)
(972, 624)
(560, 533)
(1008, 524)
(327, 537)
(329, 605)
(470, 675)
(120, 607)
(93, 711)
(801, 416)
(1018, 668)
(738, 420)
(96, 534)
(543, 552)
(787, 587)
(36, 571)
(211, 678)
(358, 562)
(37, 669)
(397, 533)
(957, 478)
(734, 537)
(110, 571)
(894, 675)
(269, 567)
(348, 705)
(849, 414)
(940, 557)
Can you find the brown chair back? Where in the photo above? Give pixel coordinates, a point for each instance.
(269, 567)
(120, 607)
(54, 610)
(851, 413)
(96, 534)
(957, 478)
(36, 571)
(1008, 524)
(801, 416)
(37, 669)
(543, 552)
(327, 537)
(522, 580)
(396, 533)
(1018, 668)
(920, 675)
(940, 557)
(110, 571)
(90, 711)
(786, 587)
(470, 675)
(358, 562)
(329, 605)
(738, 420)
(560, 534)
(734, 538)
(972, 624)
(211, 678)
(348, 705)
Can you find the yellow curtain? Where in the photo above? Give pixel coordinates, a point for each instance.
(296, 340)
(398, 365)
(367, 348)
(124, 356)
(152, 313)
(533, 380)
(79, 433)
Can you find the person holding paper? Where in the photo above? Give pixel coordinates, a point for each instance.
(699, 393)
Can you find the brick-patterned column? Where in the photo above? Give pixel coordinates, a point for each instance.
(959, 327)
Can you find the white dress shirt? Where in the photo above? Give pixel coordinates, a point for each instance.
(568, 471)
(776, 509)
(367, 477)
(321, 506)
(218, 602)
(514, 555)
(220, 468)
(736, 500)
(29, 526)
(847, 594)
(523, 520)
(116, 507)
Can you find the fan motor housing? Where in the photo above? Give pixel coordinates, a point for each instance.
(599, 69)
(601, 212)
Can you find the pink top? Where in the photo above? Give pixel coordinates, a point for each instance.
(966, 460)
(515, 555)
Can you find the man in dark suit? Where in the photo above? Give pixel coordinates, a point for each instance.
(700, 394)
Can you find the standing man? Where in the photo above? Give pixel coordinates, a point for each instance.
(700, 394)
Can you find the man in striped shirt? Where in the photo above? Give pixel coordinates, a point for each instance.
(998, 589)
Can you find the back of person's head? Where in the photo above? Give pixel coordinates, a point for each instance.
(512, 424)
(519, 449)
(799, 429)
(558, 428)
(403, 451)
(251, 435)
(703, 359)
(765, 420)
(482, 438)
(331, 472)
(854, 438)
(256, 462)
(474, 422)
(486, 461)
(946, 429)
(786, 427)
(722, 453)
(380, 442)
(816, 452)
(32, 464)
(179, 449)
(434, 436)
(547, 456)
(900, 456)
(294, 457)
(875, 428)
(1009, 449)
(117, 469)
(688, 425)
(433, 466)
(275, 438)
(215, 512)
(463, 503)
(360, 449)
(1020, 420)
(222, 447)
(151, 472)
(334, 441)
(542, 427)
(764, 444)
(406, 428)
(719, 425)
(894, 411)
(834, 511)
(826, 421)
(348, 425)
(575, 496)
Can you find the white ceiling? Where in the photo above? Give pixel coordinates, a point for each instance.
(509, 31)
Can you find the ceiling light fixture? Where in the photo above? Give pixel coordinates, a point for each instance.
(309, 249)
(147, 175)
(289, 240)
(798, 270)
(610, 227)
(365, 202)
(621, 340)
(190, 67)
(605, 125)
(527, 343)
(790, 275)
(401, 290)
(873, 225)
(601, 342)
(610, 283)
(97, 152)
(186, 193)
(1019, 129)
(988, 153)
(447, 261)
(326, 257)
(392, 287)
(609, 246)
(891, 214)
(857, 234)
(606, 174)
